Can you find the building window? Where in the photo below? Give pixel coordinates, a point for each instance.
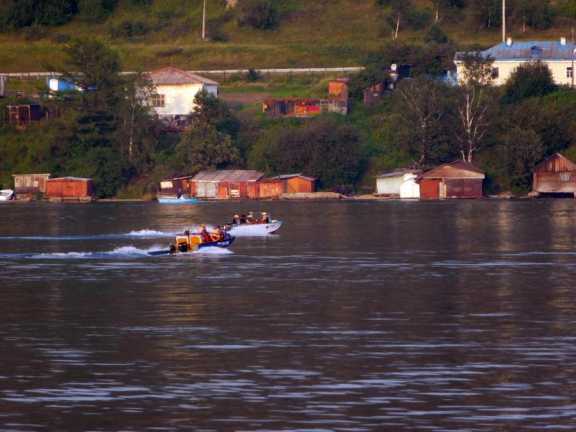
(565, 176)
(569, 72)
(495, 73)
(157, 101)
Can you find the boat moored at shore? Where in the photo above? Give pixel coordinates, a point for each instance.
(6, 194)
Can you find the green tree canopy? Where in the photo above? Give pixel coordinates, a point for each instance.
(529, 80)
(325, 148)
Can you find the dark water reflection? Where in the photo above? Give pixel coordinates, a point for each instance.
(453, 316)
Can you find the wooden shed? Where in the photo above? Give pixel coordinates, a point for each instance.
(22, 115)
(270, 188)
(28, 184)
(338, 88)
(555, 175)
(458, 179)
(274, 187)
(70, 188)
(226, 184)
(176, 187)
(295, 183)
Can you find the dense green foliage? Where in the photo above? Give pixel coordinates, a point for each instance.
(259, 14)
(529, 80)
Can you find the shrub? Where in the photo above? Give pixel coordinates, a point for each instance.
(96, 10)
(129, 29)
(34, 33)
(436, 34)
(259, 14)
(170, 52)
(253, 75)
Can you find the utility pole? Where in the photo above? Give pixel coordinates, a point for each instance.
(204, 21)
(504, 21)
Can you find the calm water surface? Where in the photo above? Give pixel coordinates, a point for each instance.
(389, 316)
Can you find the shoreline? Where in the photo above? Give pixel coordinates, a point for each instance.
(300, 197)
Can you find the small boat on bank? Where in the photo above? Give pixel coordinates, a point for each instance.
(173, 199)
(6, 194)
(191, 242)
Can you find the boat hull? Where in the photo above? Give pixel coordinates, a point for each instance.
(255, 230)
(227, 242)
(6, 194)
(177, 200)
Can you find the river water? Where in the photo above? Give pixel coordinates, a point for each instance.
(383, 316)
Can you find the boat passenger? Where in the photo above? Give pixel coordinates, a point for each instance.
(236, 220)
(218, 234)
(264, 218)
(250, 218)
(205, 235)
(243, 219)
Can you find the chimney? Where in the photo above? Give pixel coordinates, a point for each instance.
(509, 41)
(562, 41)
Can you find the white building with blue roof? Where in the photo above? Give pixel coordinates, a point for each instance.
(559, 56)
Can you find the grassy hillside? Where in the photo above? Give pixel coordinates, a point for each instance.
(311, 33)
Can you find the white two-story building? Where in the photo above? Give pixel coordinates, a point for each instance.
(175, 91)
(559, 56)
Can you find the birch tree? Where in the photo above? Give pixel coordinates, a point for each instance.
(475, 105)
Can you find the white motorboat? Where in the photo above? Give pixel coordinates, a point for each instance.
(254, 229)
(6, 194)
(182, 199)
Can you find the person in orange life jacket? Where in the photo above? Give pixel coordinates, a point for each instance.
(205, 235)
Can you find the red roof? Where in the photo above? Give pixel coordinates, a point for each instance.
(457, 169)
(173, 76)
(556, 163)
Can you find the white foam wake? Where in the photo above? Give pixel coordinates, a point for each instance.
(213, 251)
(148, 233)
(123, 251)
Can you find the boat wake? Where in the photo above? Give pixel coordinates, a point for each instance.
(143, 234)
(127, 252)
(123, 252)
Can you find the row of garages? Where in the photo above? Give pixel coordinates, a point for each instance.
(236, 184)
(556, 175)
(61, 188)
(458, 179)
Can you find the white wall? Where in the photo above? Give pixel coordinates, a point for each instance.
(389, 185)
(403, 185)
(409, 187)
(179, 99)
(507, 68)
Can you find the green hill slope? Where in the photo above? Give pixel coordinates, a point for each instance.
(320, 33)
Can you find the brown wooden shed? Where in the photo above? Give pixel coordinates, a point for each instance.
(271, 188)
(28, 184)
(274, 187)
(458, 179)
(176, 186)
(70, 188)
(226, 184)
(555, 175)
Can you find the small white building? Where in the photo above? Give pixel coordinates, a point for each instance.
(559, 56)
(399, 183)
(175, 91)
